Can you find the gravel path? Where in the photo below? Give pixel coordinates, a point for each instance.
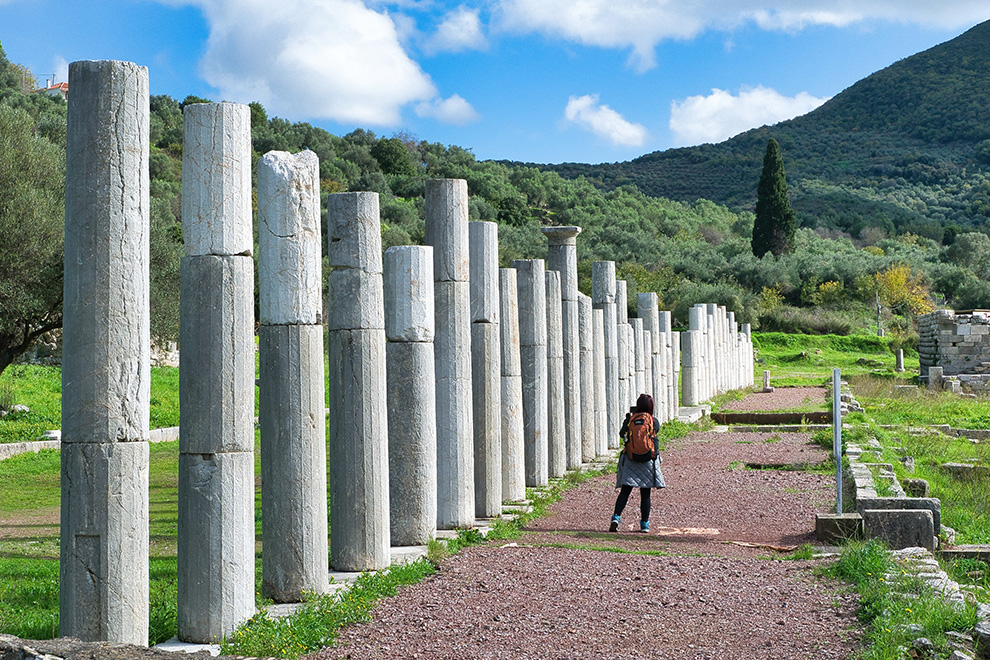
(557, 593)
(782, 398)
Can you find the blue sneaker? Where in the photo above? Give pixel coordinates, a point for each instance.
(614, 527)
(644, 526)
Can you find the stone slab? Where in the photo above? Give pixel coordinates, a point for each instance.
(835, 528)
(932, 504)
(898, 529)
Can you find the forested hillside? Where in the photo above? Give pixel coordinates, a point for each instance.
(906, 149)
(687, 251)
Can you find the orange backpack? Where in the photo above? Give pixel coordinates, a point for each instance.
(640, 447)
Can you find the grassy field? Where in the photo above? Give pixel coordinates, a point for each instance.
(808, 360)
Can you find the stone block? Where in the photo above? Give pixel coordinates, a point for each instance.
(216, 179)
(409, 293)
(915, 487)
(215, 544)
(898, 529)
(447, 228)
(486, 385)
(358, 451)
(290, 280)
(354, 237)
(103, 575)
(932, 504)
(356, 300)
(834, 528)
(293, 461)
(216, 363)
(412, 444)
(981, 632)
(484, 271)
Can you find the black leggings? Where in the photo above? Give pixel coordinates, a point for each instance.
(644, 501)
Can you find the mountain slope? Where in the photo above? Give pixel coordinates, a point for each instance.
(905, 149)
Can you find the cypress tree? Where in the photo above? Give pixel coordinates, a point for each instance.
(773, 230)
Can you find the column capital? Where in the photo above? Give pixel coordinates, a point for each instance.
(561, 235)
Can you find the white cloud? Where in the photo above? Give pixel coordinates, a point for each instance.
(60, 68)
(459, 30)
(720, 115)
(453, 110)
(603, 121)
(639, 25)
(324, 59)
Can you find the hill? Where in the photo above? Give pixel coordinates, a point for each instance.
(906, 149)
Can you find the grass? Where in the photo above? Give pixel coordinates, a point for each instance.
(808, 360)
(923, 409)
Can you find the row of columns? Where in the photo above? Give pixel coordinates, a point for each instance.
(718, 355)
(453, 384)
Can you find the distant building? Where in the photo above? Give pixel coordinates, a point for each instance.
(56, 89)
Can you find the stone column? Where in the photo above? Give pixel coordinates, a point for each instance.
(647, 308)
(732, 343)
(603, 298)
(899, 361)
(216, 375)
(103, 572)
(622, 323)
(675, 359)
(748, 355)
(513, 431)
(359, 416)
(531, 285)
(557, 413)
(447, 232)
(601, 407)
(562, 257)
(486, 372)
(639, 356)
(292, 397)
(587, 365)
(690, 385)
(412, 441)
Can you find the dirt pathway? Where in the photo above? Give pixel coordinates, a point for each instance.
(566, 589)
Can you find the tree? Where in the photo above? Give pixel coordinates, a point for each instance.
(32, 189)
(776, 222)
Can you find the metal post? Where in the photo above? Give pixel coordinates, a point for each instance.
(837, 438)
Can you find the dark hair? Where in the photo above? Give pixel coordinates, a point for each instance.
(644, 403)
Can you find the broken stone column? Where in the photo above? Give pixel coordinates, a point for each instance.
(292, 398)
(603, 297)
(562, 257)
(486, 373)
(587, 368)
(531, 287)
(103, 573)
(447, 232)
(216, 540)
(622, 322)
(360, 512)
(601, 407)
(412, 441)
(899, 362)
(513, 431)
(557, 414)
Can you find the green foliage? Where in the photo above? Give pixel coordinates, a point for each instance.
(773, 230)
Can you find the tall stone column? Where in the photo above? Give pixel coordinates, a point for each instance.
(557, 414)
(647, 308)
(750, 377)
(216, 375)
(639, 355)
(622, 322)
(103, 570)
(486, 374)
(291, 404)
(690, 385)
(587, 365)
(670, 365)
(513, 431)
(675, 352)
(601, 407)
(447, 232)
(412, 441)
(531, 285)
(603, 297)
(360, 512)
(562, 257)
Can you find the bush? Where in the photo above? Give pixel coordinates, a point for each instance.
(810, 321)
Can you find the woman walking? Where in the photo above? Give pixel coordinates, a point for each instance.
(639, 462)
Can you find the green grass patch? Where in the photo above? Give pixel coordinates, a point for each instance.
(924, 408)
(808, 360)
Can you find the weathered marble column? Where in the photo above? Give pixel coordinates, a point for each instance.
(557, 413)
(691, 383)
(360, 511)
(486, 373)
(622, 323)
(513, 431)
(675, 352)
(447, 232)
(899, 361)
(291, 404)
(647, 308)
(603, 298)
(587, 369)
(412, 441)
(671, 367)
(216, 375)
(532, 300)
(103, 571)
(748, 355)
(639, 355)
(601, 407)
(562, 257)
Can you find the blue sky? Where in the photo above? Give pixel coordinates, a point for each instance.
(531, 80)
